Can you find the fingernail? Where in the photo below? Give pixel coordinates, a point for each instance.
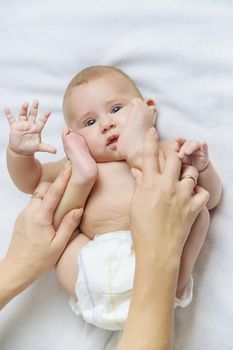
(152, 131)
(77, 214)
(67, 165)
(133, 171)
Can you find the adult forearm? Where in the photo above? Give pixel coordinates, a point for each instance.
(150, 320)
(24, 170)
(12, 282)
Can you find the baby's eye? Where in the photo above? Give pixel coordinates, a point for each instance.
(116, 109)
(89, 122)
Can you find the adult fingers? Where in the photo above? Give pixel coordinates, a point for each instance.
(172, 167)
(150, 164)
(180, 140)
(69, 223)
(54, 194)
(189, 175)
(38, 195)
(137, 174)
(200, 198)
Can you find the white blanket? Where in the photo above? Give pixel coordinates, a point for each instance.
(181, 54)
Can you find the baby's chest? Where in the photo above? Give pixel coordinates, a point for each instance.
(115, 185)
(113, 188)
(108, 205)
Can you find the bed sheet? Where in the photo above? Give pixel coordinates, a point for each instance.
(180, 53)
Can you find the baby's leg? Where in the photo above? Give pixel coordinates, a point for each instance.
(192, 249)
(84, 172)
(66, 268)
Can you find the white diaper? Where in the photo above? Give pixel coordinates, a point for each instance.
(105, 281)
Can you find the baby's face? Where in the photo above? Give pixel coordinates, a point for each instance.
(98, 111)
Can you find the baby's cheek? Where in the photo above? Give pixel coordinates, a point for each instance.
(91, 144)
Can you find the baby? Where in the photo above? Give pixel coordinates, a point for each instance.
(107, 119)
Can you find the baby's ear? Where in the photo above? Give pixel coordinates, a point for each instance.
(151, 103)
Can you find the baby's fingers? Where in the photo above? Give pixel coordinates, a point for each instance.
(44, 147)
(179, 143)
(23, 113)
(188, 148)
(33, 111)
(204, 148)
(43, 120)
(9, 116)
(192, 147)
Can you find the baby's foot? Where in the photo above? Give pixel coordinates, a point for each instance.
(84, 168)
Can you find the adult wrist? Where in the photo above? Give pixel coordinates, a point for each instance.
(9, 287)
(15, 276)
(148, 264)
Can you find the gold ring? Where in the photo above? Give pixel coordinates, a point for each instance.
(190, 177)
(37, 195)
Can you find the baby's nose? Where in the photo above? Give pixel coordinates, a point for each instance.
(107, 125)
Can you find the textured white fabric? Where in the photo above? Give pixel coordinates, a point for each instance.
(106, 268)
(180, 53)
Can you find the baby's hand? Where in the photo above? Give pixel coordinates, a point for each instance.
(141, 118)
(193, 153)
(25, 133)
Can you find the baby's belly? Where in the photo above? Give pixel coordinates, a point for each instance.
(101, 217)
(107, 208)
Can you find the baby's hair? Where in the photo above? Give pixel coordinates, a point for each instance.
(94, 72)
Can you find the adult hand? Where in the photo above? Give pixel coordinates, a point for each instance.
(164, 206)
(140, 118)
(36, 246)
(163, 209)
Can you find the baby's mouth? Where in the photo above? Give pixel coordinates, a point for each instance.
(112, 139)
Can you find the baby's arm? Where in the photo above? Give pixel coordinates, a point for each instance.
(24, 141)
(27, 172)
(196, 154)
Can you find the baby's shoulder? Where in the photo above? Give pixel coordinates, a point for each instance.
(167, 146)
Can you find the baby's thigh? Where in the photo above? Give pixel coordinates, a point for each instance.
(196, 237)
(67, 267)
